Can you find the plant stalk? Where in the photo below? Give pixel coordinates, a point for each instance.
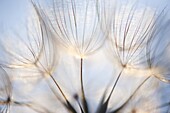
(84, 102)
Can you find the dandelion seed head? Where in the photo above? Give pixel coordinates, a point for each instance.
(81, 28)
(132, 26)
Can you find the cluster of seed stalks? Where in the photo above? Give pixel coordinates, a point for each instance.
(136, 38)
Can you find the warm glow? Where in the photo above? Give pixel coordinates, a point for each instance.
(22, 65)
(80, 56)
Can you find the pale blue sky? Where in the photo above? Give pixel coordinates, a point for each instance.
(13, 14)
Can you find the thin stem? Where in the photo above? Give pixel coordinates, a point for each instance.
(76, 97)
(58, 87)
(53, 79)
(82, 87)
(117, 79)
(80, 106)
(68, 104)
(103, 107)
(133, 94)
